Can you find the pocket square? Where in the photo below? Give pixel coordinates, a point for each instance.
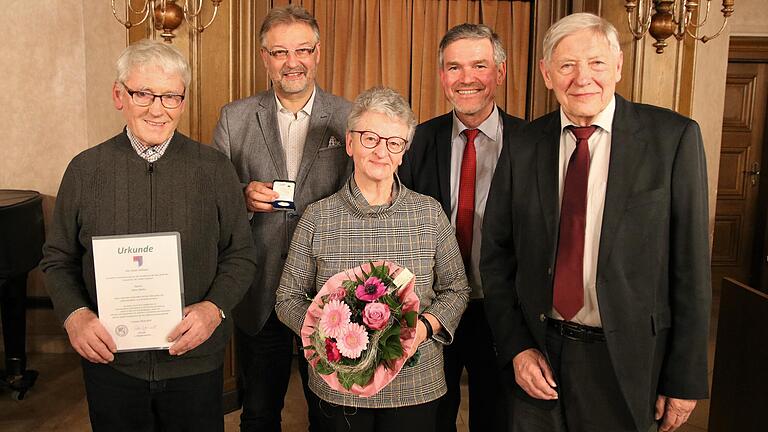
(334, 142)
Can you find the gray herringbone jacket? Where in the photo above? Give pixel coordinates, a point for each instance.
(342, 232)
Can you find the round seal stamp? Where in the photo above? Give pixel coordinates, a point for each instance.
(121, 330)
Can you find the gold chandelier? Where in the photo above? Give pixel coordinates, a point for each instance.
(665, 18)
(166, 15)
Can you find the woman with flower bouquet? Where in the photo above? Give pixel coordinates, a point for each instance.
(374, 283)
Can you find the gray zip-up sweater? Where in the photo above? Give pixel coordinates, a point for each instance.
(192, 189)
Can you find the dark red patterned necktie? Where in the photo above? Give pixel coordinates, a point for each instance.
(569, 267)
(465, 213)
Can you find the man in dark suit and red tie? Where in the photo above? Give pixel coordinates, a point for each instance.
(595, 256)
(452, 159)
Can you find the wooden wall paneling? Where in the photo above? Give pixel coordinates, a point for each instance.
(543, 15)
(725, 249)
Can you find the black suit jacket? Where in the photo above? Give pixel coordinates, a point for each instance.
(653, 283)
(426, 166)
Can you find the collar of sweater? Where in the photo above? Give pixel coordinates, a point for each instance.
(177, 141)
(354, 199)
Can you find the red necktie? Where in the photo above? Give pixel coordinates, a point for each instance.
(569, 267)
(465, 214)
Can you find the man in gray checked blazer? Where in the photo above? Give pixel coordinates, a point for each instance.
(295, 132)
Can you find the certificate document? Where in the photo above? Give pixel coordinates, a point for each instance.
(139, 288)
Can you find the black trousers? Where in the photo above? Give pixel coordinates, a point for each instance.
(264, 369)
(472, 348)
(118, 402)
(589, 397)
(415, 418)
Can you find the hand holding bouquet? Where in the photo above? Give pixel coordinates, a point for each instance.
(361, 327)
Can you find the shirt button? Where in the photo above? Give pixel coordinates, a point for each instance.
(542, 317)
(549, 271)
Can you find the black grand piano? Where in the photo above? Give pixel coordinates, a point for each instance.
(21, 240)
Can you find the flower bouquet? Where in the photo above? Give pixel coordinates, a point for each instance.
(361, 327)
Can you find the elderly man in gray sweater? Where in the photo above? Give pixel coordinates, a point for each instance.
(152, 179)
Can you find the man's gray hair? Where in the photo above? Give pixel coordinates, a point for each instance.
(383, 100)
(147, 52)
(287, 15)
(575, 23)
(472, 31)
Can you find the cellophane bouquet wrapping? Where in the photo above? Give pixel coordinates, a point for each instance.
(360, 328)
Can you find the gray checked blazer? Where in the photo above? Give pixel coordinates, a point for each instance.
(248, 133)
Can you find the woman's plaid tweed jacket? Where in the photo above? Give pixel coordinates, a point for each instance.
(341, 232)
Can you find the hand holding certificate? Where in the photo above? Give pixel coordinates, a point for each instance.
(139, 288)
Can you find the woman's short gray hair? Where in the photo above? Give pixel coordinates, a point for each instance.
(287, 15)
(472, 31)
(575, 23)
(147, 52)
(383, 100)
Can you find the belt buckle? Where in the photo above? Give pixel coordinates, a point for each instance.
(573, 333)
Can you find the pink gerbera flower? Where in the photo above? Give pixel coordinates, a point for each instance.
(370, 290)
(353, 340)
(335, 318)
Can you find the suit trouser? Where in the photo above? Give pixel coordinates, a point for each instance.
(414, 418)
(264, 369)
(472, 348)
(589, 397)
(121, 403)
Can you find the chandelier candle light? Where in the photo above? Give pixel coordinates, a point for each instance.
(665, 18)
(167, 15)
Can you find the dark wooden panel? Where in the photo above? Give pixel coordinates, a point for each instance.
(739, 103)
(730, 183)
(739, 398)
(725, 248)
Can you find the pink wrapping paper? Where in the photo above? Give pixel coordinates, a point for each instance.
(382, 375)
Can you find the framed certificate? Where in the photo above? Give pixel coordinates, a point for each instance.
(139, 288)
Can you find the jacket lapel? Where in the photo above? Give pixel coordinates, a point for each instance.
(547, 155)
(318, 123)
(443, 154)
(628, 143)
(267, 116)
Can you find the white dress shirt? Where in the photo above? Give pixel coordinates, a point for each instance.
(487, 148)
(293, 133)
(600, 154)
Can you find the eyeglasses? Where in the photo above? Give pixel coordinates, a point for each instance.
(370, 140)
(144, 98)
(282, 53)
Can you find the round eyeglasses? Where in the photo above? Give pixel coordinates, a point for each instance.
(144, 98)
(370, 140)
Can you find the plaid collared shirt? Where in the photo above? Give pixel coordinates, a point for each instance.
(341, 232)
(148, 153)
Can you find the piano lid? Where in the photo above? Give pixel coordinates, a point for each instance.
(11, 197)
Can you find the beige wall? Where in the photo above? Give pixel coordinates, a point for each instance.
(57, 71)
(58, 76)
(750, 18)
